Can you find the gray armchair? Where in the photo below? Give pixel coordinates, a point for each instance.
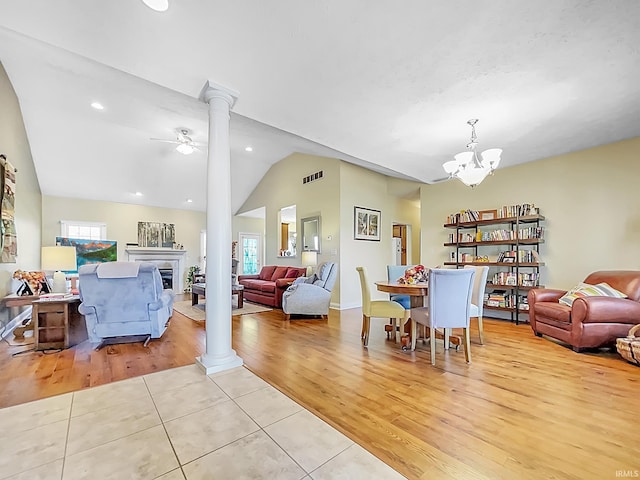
(124, 299)
(311, 296)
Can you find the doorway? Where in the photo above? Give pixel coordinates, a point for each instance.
(250, 253)
(401, 244)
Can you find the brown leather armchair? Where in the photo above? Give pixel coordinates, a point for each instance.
(592, 321)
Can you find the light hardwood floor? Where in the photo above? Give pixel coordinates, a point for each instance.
(525, 408)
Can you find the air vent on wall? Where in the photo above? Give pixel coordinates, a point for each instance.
(312, 177)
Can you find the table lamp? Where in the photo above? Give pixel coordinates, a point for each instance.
(57, 259)
(309, 260)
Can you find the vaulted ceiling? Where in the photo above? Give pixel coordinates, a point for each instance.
(384, 84)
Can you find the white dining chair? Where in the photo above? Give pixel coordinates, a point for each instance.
(448, 306)
(477, 298)
(377, 308)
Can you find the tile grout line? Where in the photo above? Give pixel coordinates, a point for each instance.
(263, 428)
(163, 428)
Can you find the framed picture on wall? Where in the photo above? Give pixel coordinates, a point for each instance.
(366, 224)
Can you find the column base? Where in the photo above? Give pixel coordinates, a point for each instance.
(214, 365)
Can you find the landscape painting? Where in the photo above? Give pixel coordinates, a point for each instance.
(91, 251)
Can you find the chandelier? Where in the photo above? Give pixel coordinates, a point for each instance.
(467, 167)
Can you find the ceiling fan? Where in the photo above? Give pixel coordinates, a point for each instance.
(185, 144)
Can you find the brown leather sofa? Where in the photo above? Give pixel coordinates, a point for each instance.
(590, 322)
(268, 286)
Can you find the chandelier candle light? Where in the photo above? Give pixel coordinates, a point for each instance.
(467, 167)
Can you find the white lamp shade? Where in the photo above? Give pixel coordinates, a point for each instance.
(185, 149)
(464, 158)
(57, 259)
(491, 158)
(309, 259)
(157, 5)
(450, 167)
(472, 176)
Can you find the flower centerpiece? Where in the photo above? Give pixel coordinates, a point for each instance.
(413, 275)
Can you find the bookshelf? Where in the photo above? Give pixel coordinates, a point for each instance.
(509, 243)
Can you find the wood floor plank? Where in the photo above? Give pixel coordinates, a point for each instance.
(526, 407)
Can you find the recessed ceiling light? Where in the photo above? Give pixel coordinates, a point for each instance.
(249, 149)
(189, 200)
(97, 106)
(157, 5)
(138, 194)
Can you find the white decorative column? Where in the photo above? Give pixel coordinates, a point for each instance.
(218, 354)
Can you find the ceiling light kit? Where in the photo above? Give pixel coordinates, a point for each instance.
(157, 5)
(97, 106)
(467, 167)
(185, 145)
(249, 149)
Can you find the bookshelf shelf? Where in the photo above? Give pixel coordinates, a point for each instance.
(475, 244)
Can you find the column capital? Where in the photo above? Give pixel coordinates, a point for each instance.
(212, 90)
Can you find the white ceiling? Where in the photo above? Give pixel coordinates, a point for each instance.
(387, 85)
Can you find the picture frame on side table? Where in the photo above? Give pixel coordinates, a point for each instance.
(366, 224)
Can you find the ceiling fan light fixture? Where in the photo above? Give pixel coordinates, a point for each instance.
(185, 149)
(157, 5)
(467, 167)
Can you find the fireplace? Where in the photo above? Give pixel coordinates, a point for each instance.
(169, 260)
(167, 277)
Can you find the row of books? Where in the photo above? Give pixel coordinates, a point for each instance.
(513, 279)
(506, 211)
(504, 234)
(521, 210)
(463, 216)
(499, 298)
(498, 235)
(521, 256)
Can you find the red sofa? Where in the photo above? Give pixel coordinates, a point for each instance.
(268, 286)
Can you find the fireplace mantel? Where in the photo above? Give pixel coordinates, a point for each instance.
(163, 257)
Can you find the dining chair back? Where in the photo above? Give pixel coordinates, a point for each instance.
(394, 272)
(477, 298)
(377, 308)
(449, 306)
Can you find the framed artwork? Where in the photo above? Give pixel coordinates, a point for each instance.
(509, 260)
(156, 234)
(488, 214)
(366, 224)
(91, 251)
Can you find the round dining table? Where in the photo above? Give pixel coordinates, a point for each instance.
(417, 293)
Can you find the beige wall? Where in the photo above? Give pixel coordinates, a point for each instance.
(342, 187)
(590, 200)
(282, 186)
(122, 222)
(15, 145)
(363, 188)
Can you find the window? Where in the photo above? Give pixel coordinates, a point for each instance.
(86, 230)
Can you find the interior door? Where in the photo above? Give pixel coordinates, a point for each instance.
(251, 253)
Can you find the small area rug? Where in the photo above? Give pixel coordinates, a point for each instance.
(196, 312)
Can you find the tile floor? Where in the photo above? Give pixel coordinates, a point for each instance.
(175, 425)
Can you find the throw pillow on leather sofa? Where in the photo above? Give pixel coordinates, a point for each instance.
(268, 286)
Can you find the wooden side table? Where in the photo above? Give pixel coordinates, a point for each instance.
(13, 303)
(57, 323)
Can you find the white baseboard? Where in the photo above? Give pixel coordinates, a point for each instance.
(339, 306)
